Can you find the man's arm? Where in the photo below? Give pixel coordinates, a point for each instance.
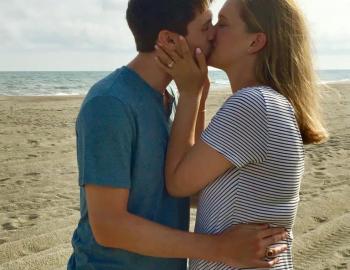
(114, 227)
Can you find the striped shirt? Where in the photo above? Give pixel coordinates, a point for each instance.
(257, 131)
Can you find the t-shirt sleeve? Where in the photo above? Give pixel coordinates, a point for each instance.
(105, 136)
(239, 129)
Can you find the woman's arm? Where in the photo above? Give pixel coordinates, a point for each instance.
(200, 124)
(190, 166)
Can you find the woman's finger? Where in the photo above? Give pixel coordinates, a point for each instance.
(170, 52)
(164, 57)
(178, 47)
(201, 61)
(184, 47)
(163, 66)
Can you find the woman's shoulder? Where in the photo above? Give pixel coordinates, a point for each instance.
(254, 91)
(259, 95)
(248, 97)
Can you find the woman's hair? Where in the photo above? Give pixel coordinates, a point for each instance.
(286, 63)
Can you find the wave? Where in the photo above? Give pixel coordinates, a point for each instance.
(343, 81)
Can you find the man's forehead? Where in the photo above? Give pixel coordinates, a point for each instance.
(203, 17)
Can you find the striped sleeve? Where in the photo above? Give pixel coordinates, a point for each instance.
(239, 129)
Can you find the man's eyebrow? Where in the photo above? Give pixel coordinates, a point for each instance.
(208, 21)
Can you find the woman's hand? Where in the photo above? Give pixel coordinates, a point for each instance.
(188, 73)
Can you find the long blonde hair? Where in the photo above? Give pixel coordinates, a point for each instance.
(286, 63)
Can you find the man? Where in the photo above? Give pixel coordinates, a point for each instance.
(128, 220)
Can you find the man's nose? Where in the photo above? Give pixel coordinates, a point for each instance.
(211, 33)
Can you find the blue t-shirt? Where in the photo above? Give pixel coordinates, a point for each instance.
(122, 134)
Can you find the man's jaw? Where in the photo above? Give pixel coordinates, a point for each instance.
(209, 53)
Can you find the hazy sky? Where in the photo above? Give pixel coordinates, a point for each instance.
(93, 34)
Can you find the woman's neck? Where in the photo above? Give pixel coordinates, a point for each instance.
(241, 77)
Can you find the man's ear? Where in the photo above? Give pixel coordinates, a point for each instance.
(258, 43)
(167, 38)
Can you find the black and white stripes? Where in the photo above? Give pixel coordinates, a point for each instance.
(256, 130)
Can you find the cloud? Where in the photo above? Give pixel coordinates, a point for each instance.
(95, 31)
(90, 25)
(328, 21)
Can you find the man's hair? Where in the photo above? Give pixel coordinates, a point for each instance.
(146, 18)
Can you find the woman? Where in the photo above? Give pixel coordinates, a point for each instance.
(250, 160)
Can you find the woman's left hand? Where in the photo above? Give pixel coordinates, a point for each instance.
(188, 73)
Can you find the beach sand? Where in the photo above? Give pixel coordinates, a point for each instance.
(39, 194)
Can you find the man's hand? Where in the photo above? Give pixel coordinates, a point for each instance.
(245, 245)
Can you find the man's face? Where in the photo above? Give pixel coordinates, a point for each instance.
(201, 32)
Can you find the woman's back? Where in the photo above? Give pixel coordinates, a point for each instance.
(256, 130)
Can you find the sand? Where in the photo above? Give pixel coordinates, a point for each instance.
(39, 194)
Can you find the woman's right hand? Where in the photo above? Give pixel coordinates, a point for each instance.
(188, 73)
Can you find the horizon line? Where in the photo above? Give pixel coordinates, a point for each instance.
(111, 70)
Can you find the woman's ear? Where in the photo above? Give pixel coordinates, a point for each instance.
(258, 43)
(167, 38)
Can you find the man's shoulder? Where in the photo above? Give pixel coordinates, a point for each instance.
(107, 99)
(113, 85)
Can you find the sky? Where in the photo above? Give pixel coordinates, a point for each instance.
(93, 34)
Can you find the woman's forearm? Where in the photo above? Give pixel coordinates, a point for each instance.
(200, 123)
(184, 132)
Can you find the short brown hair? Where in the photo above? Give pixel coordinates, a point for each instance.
(146, 18)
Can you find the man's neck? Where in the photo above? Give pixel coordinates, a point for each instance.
(146, 67)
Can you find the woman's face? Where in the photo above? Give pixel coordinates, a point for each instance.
(231, 43)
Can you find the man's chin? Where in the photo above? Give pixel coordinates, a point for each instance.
(209, 55)
(210, 60)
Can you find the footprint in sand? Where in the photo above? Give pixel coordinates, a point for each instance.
(319, 174)
(9, 226)
(342, 266)
(19, 182)
(33, 142)
(2, 241)
(33, 216)
(31, 174)
(320, 219)
(345, 253)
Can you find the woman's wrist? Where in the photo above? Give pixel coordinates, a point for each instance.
(190, 97)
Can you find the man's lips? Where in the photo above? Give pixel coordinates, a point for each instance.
(210, 51)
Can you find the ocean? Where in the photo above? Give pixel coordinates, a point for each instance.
(65, 83)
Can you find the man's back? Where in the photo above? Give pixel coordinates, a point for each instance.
(122, 134)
